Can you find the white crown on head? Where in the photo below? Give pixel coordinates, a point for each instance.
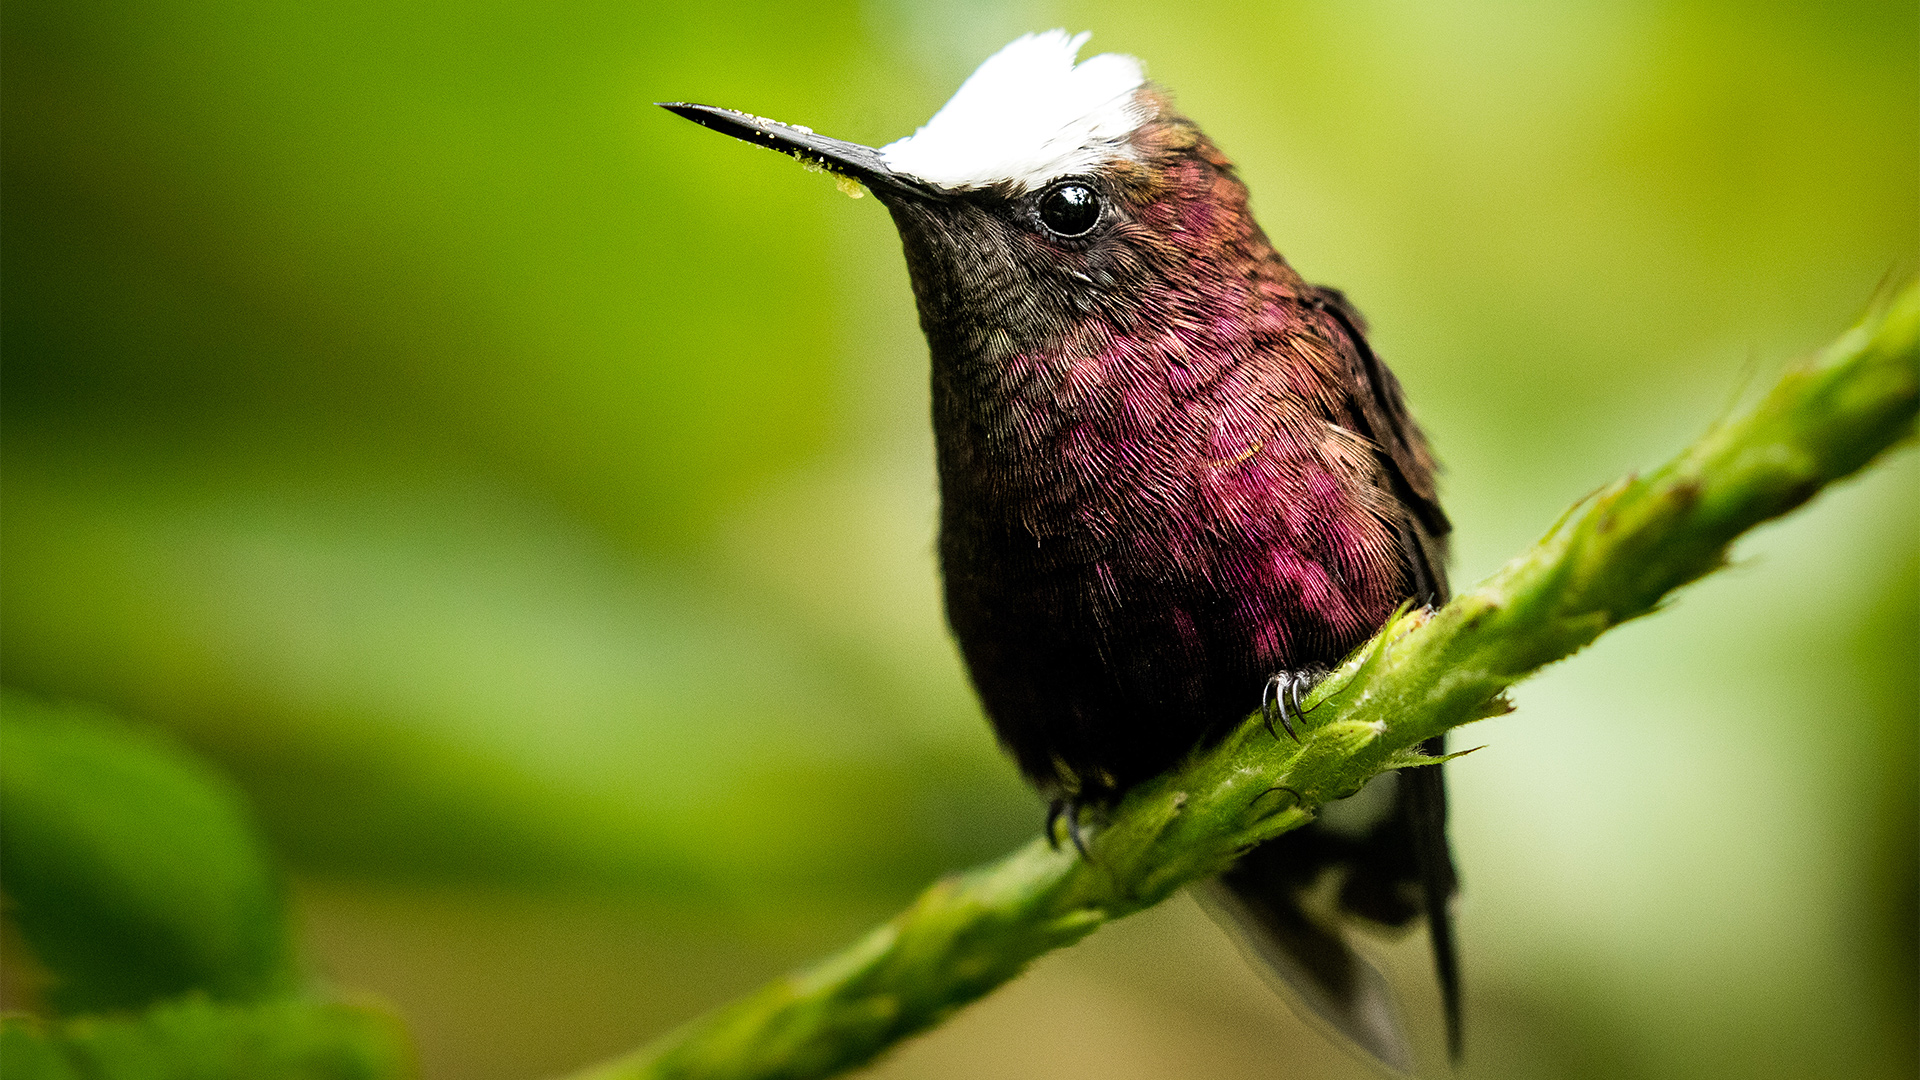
(1029, 115)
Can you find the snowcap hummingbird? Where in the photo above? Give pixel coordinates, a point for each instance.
(1176, 483)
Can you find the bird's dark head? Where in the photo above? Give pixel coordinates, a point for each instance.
(1050, 206)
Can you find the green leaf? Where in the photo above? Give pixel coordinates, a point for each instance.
(130, 868)
(198, 1039)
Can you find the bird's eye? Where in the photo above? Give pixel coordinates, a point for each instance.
(1070, 209)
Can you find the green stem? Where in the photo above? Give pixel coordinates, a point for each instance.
(1611, 558)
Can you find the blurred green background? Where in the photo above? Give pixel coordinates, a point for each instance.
(526, 497)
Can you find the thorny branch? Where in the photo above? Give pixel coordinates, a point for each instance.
(1612, 557)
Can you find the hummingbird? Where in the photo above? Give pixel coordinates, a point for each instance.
(1177, 485)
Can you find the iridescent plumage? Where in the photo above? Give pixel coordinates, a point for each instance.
(1170, 468)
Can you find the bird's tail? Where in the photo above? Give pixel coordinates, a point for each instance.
(1386, 851)
(1323, 975)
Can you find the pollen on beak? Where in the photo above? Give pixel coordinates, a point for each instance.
(862, 163)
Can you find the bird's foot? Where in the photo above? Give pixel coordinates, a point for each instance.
(1066, 808)
(1281, 698)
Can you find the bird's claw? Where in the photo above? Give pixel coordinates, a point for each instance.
(1282, 691)
(1298, 799)
(1069, 809)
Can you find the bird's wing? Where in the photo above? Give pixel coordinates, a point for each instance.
(1402, 851)
(1419, 815)
(1381, 412)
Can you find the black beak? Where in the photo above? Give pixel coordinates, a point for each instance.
(863, 163)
